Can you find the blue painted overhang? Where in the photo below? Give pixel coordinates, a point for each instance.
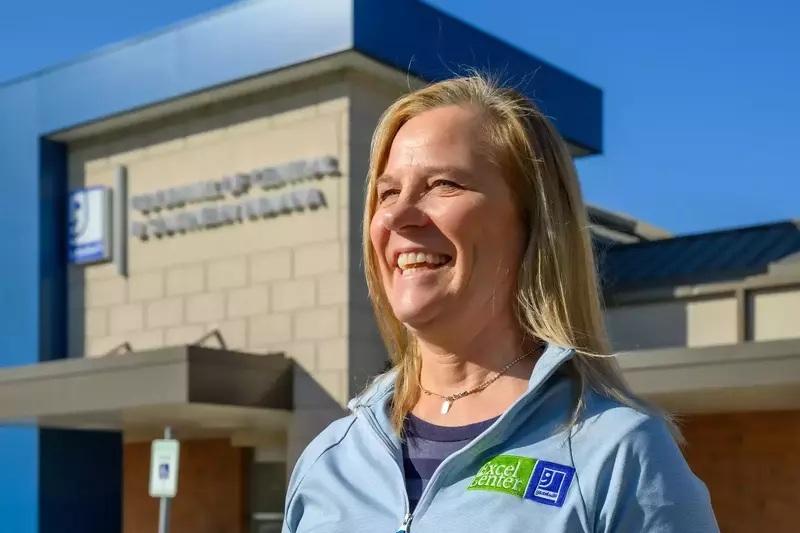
(256, 37)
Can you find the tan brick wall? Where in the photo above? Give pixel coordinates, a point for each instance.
(769, 317)
(267, 285)
(751, 465)
(212, 489)
(277, 284)
(291, 283)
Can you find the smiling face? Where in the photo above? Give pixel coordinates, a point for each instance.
(445, 230)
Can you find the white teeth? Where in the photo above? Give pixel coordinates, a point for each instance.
(415, 260)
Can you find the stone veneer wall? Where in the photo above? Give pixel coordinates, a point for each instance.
(293, 283)
(268, 285)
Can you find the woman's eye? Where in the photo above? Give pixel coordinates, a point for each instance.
(446, 184)
(383, 195)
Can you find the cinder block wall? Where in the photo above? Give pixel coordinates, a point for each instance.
(751, 465)
(275, 284)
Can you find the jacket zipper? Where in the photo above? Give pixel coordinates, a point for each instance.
(381, 435)
(405, 524)
(390, 448)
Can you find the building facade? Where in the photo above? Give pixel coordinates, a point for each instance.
(708, 326)
(186, 252)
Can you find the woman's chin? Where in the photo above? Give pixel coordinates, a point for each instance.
(418, 316)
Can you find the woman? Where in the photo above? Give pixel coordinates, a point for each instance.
(503, 412)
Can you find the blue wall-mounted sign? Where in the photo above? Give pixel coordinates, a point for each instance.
(89, 238)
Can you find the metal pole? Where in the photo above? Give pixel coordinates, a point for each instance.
(163, 508)
(119, 237)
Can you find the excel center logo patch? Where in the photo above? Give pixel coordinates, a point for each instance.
(523, 477)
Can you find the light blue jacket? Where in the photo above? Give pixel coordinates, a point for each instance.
(618, 471)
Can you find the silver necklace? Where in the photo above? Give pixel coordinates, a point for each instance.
(448, 400)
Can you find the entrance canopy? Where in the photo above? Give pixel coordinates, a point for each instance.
(195, 390)
(751, 376)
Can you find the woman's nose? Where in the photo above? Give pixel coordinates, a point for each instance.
(403, 214)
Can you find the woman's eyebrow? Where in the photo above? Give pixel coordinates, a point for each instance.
(426, 172)
(384, 178)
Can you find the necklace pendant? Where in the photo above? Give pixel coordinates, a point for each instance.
(446, 406)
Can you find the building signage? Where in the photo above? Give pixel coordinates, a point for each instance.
(178, 210)
(164, 455)
(171, 211)
(89, 225)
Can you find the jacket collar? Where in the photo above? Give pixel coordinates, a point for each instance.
(377, 396)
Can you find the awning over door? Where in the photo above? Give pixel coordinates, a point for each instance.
(195, 390)
(750, 376)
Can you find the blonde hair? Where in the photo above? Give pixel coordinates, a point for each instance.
(557, 293)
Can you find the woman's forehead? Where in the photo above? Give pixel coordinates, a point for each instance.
(445, 138)
(443, 125)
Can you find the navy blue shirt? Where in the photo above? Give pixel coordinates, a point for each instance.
(425, 447)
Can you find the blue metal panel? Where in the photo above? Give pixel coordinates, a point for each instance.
(252, 38)
(19, 489)
(19, 285)
(19, 270)
(415, 37)
(702, 258)
(52, 481)
(243, 41)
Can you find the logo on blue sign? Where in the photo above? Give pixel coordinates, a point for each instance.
(89, 225)
(549, 483)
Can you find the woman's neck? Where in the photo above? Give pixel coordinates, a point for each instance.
(462, 367)
(468, 363)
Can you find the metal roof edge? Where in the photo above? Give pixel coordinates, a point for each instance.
(709, 234)
(111, 48)
(441, 46)
(238, 41)
(213, 49)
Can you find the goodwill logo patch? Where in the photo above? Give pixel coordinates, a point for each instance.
(524, 477)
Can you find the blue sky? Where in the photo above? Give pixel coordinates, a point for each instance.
(702, 98)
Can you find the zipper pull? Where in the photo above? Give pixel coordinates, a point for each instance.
(405, 524)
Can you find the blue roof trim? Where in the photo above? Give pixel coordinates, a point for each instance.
(700, 258)
(233, 45)
(251, 38)
(412, 36)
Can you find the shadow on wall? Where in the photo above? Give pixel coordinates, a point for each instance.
(76, 288)
(314, 410)
(639, 327)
